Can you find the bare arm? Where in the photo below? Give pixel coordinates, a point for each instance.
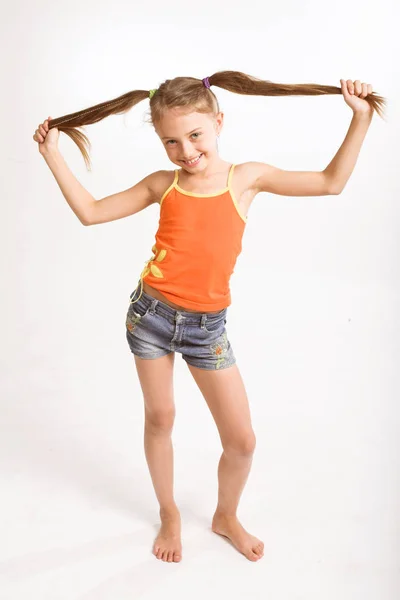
(330, 181)
(125, 203)
(343, 163)
(91, 211)
(267, 178)
(78, 198)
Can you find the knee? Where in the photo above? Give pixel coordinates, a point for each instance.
(243, 445)
(160, 420)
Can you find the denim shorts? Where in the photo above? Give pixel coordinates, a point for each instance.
(154, 329)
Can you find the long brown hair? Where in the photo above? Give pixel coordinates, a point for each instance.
(191, 94)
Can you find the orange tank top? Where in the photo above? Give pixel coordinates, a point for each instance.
(198, 241)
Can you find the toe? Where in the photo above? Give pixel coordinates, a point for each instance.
(252, 555)
(177, 557)
(170, 555)
(255, 557)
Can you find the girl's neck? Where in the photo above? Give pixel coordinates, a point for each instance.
(212, 170)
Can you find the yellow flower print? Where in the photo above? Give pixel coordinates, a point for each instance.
(151, 267)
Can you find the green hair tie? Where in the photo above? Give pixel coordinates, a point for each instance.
(152, 92)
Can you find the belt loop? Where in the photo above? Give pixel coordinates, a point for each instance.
(203, 320)
(154, 303)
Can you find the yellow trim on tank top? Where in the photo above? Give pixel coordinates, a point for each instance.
(228, 188)
(198, 195)
(235, 202)
(170, 188)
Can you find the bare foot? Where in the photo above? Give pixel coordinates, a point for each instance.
(167, 545)
(247, 544)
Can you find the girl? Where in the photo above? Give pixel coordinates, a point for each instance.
(181, 300)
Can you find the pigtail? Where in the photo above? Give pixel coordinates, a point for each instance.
(70, 123)
(240, 83)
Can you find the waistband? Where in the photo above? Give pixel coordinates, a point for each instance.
(159, 307)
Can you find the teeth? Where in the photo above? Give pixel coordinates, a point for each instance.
(190, 162)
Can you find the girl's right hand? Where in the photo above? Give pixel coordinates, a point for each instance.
(47, 138)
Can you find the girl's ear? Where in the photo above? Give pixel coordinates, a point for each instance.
(219, 121)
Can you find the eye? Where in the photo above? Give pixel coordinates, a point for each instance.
(197, 133)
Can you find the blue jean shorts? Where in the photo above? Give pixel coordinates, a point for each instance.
(154, 329)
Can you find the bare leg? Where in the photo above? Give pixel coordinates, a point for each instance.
(226, 397)
(156, 380)
(233, 471)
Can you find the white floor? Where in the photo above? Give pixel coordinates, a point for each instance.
(78, 512)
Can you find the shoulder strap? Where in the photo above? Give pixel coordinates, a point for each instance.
(230, 175)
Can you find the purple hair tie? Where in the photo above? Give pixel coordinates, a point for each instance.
(206, 82)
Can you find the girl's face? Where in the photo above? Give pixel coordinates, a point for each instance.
(190, 136)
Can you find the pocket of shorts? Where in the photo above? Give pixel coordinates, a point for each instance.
(214, 325)
(136, 313)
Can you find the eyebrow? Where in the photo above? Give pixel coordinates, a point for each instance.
(171, 137)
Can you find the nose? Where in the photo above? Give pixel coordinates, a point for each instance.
(187, 151)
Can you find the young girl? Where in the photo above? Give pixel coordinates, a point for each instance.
(181, 300)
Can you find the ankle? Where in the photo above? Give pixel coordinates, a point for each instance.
(170, 510)
(221, 513)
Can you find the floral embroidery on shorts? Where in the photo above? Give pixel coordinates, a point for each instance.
(132, 321)
(220, 348)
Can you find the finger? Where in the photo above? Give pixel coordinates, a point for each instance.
(364, 91)
(350, 86)
(344, 86)
(42, 130)
(357, 87)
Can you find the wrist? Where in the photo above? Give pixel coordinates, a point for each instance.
(50, 153)
(363, 115)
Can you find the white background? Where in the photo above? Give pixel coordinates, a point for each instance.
(314, 320)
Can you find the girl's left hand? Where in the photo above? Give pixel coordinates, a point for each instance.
(354, 92)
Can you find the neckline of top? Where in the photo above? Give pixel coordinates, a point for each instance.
(187, 193)
(227, 189)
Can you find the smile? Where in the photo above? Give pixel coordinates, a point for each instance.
(193, 162)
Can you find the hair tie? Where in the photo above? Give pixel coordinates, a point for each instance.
(205, 81)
